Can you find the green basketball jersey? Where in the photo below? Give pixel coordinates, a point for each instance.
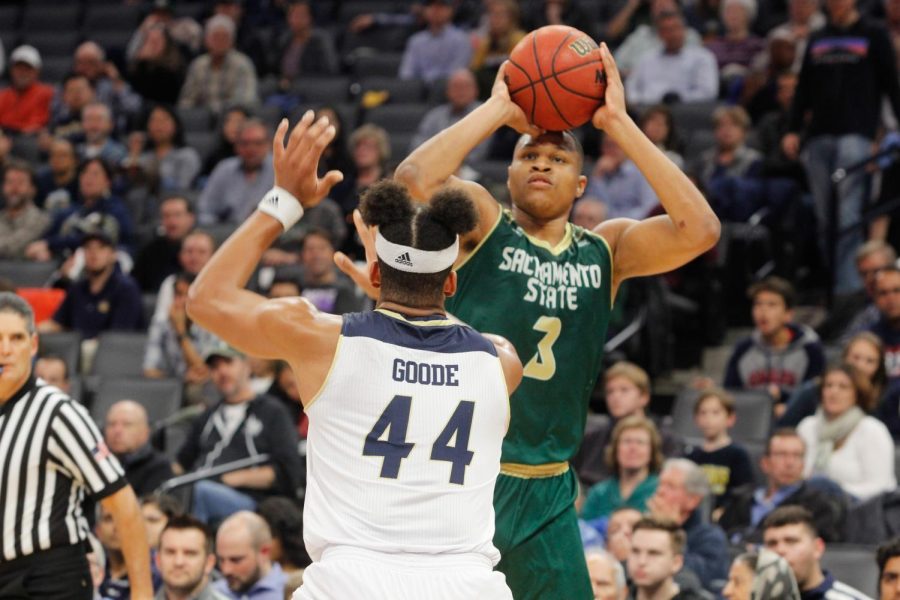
(554, 305)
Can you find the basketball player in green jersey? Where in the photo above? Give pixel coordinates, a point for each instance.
(548, 287)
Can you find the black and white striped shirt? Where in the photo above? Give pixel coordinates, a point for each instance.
(51, 455)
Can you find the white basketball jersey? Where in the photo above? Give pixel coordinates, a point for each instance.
(404, 439)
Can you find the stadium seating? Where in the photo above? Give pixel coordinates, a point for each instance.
(853, 565)
(64, 344)
(119, 354)
(753, 409)
(26, 273)
(161, 397)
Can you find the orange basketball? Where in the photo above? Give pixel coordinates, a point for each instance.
(556, 75)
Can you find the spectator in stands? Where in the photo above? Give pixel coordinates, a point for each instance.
(196, 250)
(65, 114)
(791, 533)
(619, 183)
(679, 495)
(726, 463)
(230, 192)
(785, 485)
(159, 257)
(223, 75)
(109, 87)
(54, 370)
(336, 156)
(839, 130)
(588, 212)
(302, 49)
(634, 458)
(497, 41)
(5, 147)
(241, 425)
(21, 222)
(779, 355)
(888, 558)
(658, 552)
(462, 98)
(607, 576)
(248, 37)
(761, 575)
(284, 382)
(127, 433)
(736, 48)
(759, 90)
(230, 123)
(843, 443)
(440, 49)
(887, 327)
(97, 128)
(25, 104)
(644, 39)
(243, 547)
(185, 560)
(865, 352)
(175, 345)
(619, 529)
(676, 72)
(284, 287)
(57, 183)
(104, 299)
(772, 127)
(554, 12)
(730, 157)
(167, 164)
(95, 203)
(892, 22)
(659, 125)
(323, 284)
(157, 510)
(804, 18)
(285, 520)
(858, 312)
(115, 580)
(158, 69)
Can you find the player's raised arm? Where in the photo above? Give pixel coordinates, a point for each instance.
(217, 299)
(662, 243)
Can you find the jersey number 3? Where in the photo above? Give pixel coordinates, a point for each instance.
(395, 420)
(543, 364)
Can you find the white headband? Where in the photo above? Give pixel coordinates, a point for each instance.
(413, 260)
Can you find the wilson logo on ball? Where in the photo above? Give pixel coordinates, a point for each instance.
(583, 46)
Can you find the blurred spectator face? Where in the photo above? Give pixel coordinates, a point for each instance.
(670, 30)
(500, 19)
(863, 356)
(892, 10)
(887, 295)
(89, 61)
(437, 14)
(183, 561)
(18, 190)
(839, 10)
(154, 42)
(98, 257)
(785, 88)
(175, 218)
(229, 375)
(838, 394)
(671, 491)
(196, 250)
(588, 213)
(712, 418)
(782, 53)
(603, 578)
(735, 17)
(462, 90)
(288, 382)
(219, 41)
(619, 530)
(22, 75)
(729, 134)
(62, 157)
(634, 449)
(180, 292)
(53, 370)
(890, 579)
(770, 313)
(154, 522)
(800, 11)
(284, 289)
(299, 19)
(93, 182)
(240, 563)
(77, 93)
(656, 127)
(252, 146)
(783, 461)
(126, 427)
(160, 127)
(234, 119)
(624, 398)
(799, 547)
(232, 10)
(740, 582)
(317, 256)
(657, 7)
(96, 122)
(610, 150)
(869, 267)
(365, 153)
(105, 530)
(652, 560)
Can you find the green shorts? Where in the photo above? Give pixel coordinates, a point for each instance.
(538, 537)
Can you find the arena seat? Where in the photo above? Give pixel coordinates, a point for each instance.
(161, 397)
(196, 118)
(365, 63)
(119, 16)
(397, 118)
(53, 44)
(25, 273)
(60, 18)
(853, 565)
(120, 354)
(399, 90)
(329, 90)
(64, 344)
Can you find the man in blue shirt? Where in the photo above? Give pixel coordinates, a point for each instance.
(243, 547)
(439, 50)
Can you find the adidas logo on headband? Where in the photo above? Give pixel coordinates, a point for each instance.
(415, 260)
(404, 259)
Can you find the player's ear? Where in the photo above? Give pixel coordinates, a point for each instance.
(582, 185)
(450, 284)
(374, 274)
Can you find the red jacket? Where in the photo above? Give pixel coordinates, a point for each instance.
(25, 111)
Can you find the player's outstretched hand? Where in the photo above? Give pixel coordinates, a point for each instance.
(296, 164)
(614, 106)
(515, 115)
(360, 275)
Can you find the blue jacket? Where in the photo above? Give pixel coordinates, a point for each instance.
(706, 552)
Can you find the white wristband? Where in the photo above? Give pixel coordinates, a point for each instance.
(281, 205)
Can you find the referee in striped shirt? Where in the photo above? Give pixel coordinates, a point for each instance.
(51, 457)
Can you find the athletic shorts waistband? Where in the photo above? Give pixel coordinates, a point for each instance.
(534, 471)
(407, 559)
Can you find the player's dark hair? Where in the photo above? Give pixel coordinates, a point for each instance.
(433, 226)
(888, 550)
(183, 522)
(790, 515)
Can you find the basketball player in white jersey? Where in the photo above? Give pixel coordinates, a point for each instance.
(407, 410)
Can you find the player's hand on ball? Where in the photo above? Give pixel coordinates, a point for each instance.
(296, 164)
(515, 115)
(614, 106)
